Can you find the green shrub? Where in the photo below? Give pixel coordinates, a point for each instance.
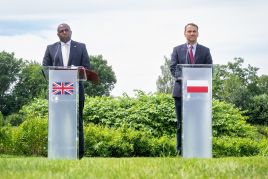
(140, 126)
(152, 112)
(1, 119)
(258, 110)
(6, 141)
(104, 142)
(37, 108)
(31, 137)
(235, 147)
(229, 121)
(14, 119)
(125, 142)
(264, 147)
(263, 130)
(163, 146)
(156, 113)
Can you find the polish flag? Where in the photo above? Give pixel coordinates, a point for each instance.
(197, 86)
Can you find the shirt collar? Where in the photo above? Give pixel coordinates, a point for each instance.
(194, 45)
(67, 43)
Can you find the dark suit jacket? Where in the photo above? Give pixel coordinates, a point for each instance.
(180, 56)
(78, 57)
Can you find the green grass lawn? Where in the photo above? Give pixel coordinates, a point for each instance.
(37, 167)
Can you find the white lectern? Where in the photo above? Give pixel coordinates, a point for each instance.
(196, 110)
(63, 111)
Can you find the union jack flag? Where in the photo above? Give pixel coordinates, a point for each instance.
(62, 88)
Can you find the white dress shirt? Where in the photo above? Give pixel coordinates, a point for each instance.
(65, 50)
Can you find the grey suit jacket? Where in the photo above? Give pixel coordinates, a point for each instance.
(180, 56)
(78, 57)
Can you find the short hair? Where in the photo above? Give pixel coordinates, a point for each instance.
(192, 24)
(63, 24)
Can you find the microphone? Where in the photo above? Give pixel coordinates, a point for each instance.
(54, 59)
(186, 55)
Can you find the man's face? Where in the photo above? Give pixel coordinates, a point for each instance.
(191, 34)
(64, 33)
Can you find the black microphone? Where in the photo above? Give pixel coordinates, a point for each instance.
(187, 52)
(54, 59)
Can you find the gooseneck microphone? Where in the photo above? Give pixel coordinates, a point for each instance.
(54, 59)
(186, 55)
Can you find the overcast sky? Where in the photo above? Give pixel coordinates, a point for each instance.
(134, 36)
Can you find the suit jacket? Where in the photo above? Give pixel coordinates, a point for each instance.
(78, 57)
(180, 56)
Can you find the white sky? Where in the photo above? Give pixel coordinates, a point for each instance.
(134, 36)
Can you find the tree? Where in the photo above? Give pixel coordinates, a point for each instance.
(258, 110)
(21, 81)
(31, 83)
(165, 81)
(10, 69)
(106, 75)
(242, 87)
(263, 84)
(235, 84)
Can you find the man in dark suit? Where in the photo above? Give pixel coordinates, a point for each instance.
(67, 52)
(189, 53)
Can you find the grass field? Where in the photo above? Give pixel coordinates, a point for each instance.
(37, 167)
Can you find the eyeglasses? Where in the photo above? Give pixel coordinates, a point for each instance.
(66, 30)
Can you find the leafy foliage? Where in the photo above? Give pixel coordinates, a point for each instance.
(21, 81)
(10, 69)
(37, 108)
(152, 112)
(1, 119)
(148, 112)
(106, 75)
(258, 110)
(165, 82)
(6, 140)
(235, 146)
(125, 142)
(14, 119)
(229, 121)
(31, 137)
(240, 86)
(31, 83)
(140, 126)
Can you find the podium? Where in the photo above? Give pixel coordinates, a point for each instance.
(196, 110)
(63, 110)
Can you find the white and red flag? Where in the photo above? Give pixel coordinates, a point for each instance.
(197, 86)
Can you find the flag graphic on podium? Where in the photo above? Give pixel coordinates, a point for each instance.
(197, 86)
(62, 88)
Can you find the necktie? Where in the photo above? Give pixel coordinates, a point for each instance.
(191, 54)
(65, 54)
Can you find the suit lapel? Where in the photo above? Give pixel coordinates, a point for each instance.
(58, 55)
(185, 56)
(197, 54)
(72, 51)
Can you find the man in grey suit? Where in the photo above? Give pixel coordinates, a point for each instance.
(67, 52)
(189, 53)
